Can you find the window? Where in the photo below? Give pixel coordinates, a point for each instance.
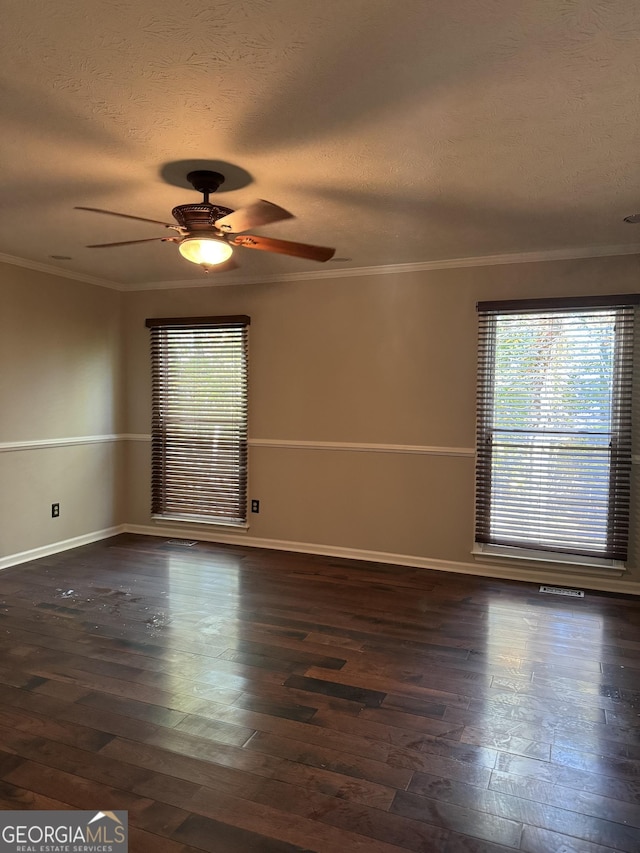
(554, 425)
(199, 419)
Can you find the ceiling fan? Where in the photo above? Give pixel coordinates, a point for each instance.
(208, 233)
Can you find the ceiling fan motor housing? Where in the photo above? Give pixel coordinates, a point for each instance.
(199, 217)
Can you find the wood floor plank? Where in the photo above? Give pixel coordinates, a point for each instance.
(457, 843)
(125, 725)
(395, 735)
(24, 799)
(366, 747)
(537, 840)
(60, 756)
(307, 834)
(142, 841)
(235, 699)
(187, 764)
(534, 710)
(477, 824)
(390, 678)
(8, 762)
(38, 725)
(361, 695)
(569, 777)
(425, 725)
(582, 802)
(595, 762)
(318, 756)
(453, 771)
(529, 812)
(463, 753)
(213, 835)
(384, 826)
(79, 792)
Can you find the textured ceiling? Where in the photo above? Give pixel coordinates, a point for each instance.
(398, 131)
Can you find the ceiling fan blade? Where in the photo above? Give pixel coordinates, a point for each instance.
(129, 242)
(124, 216)
(259, 213)
(284, 247)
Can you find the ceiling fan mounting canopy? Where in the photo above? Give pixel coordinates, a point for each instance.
(208, 232)
(204, 181)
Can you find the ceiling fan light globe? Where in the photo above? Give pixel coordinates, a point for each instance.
(207, 251)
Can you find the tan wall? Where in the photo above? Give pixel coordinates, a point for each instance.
(60, 378)
(383, 360)
(387, 359)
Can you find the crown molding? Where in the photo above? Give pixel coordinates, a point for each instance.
(569, 254)
(62, 273)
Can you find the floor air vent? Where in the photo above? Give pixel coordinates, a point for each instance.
(560, 590)
(184, 543)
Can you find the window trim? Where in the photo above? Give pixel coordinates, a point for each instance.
(560, 303)
(485, 552)
(159, 512)
(188, 322)
(482, 548)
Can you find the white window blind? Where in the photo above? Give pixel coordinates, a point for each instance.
(554, 425)
(199, 418)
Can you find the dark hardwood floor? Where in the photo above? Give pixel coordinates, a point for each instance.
(241, 700)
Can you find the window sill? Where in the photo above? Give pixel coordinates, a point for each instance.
(199, 520)
(546, 559)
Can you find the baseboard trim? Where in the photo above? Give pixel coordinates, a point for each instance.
(57, 547)
(527, 575)
(491, 570)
